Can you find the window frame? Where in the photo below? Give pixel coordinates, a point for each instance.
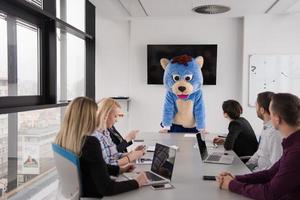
(47, 22)
(17, 101)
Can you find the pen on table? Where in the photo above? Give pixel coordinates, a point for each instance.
(146, 159)
(140, 140)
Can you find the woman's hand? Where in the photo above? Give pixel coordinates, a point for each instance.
(140, 147)
(142, 179)
(218, 140)
(131, 135)
(136, 154)
(127, 168)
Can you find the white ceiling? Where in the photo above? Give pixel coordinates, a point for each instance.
(128, 9)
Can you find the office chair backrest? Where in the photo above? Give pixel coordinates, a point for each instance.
(68, 168)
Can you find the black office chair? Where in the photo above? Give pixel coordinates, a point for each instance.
(245, 159)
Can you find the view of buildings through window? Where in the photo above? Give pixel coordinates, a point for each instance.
(20, 68)
(36, 131)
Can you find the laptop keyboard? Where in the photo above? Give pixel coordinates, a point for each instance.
(213, 158)
(153, 177)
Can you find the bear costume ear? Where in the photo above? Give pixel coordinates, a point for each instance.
(164, 62)
(199, 60)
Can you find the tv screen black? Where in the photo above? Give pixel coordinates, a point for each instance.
(155, 52)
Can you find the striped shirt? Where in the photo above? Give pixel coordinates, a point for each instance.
(109, 149)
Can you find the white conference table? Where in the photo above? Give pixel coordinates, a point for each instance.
(187, 173)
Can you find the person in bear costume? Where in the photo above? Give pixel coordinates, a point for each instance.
(184, 106)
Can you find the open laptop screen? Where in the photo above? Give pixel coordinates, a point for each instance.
(202, 147)
(163, 161)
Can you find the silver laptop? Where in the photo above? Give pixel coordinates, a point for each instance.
(214, 157)
(162, 165)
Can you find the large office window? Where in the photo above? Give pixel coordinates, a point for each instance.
(3, 56)
(70, 66)
(28, 65)
(32, 155)
(71, 61)
(36, 131)
(72, 12)
(19, 57)
(47, 51)
(38, 3)
(3, 146)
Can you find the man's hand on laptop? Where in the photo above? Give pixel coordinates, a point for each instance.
(127, 168)
(142, 179)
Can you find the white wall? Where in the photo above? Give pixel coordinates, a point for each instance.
(121, 60)
(147, 100)
(112, 57)
(265, 34)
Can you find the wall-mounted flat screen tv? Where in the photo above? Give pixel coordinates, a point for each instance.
(155, 52)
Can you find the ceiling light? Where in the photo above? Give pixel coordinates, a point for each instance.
(211, 9)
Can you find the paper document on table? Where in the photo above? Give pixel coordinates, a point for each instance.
(175, 147)
(190, 135)
(144, 161)
(151, 148)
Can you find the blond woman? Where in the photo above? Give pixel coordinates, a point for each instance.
(78, 124)
(108, 110)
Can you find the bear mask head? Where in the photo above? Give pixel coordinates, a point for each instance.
(183, 75)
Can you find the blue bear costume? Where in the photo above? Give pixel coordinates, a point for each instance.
(183, 107)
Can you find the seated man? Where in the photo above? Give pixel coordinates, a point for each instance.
(269, 149)
(282, 180)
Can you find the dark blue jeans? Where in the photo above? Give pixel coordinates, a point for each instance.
(180, 129)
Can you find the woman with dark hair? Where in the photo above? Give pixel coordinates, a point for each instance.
(120, 142)
(241, 137)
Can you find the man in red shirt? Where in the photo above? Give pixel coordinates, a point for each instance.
(282, 180)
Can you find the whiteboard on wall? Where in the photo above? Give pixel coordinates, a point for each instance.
(276, 73)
